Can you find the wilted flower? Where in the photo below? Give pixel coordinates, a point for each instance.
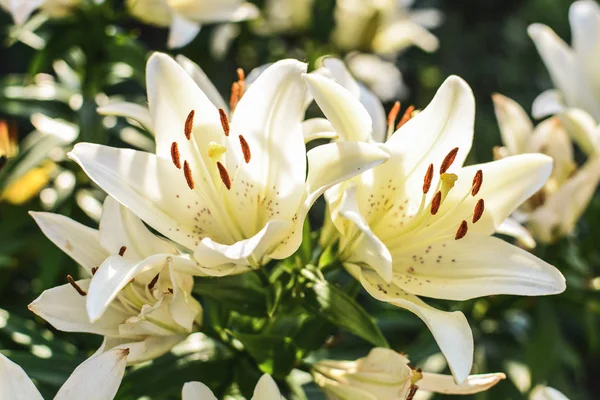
(386, 374)
(420, 224)
(185, 17)
(553, 211)
(266, 389)
(383, 26)
(233, 189)
(134, 297)
(574, 71)
(546, 393)
(98, 377)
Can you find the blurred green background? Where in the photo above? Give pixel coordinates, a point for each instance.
(551, 341)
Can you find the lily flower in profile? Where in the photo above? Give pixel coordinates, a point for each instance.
(185, 17)
(387, 374)
(266, 389)
(234, 188)
(98, 377)
(553, 211)
(421, 223)
(134, 295)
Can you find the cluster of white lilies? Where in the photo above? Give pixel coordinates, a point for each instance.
(229, 187)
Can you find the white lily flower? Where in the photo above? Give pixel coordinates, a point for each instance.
(134, 296)
(21, 10)
(574, 70)
(546, 393)
(420, 224)
(266, 389)
(554, 211)
(185, 17)
(236, 193)
(385, 27)
(98, 378)
(386, 374)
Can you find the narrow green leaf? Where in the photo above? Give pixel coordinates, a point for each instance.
(243, 293)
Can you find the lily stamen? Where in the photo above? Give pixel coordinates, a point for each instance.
(435, 202)
(224, 121)
(94, 270)
(175, 155)
(411, 392)
(391, 119)
(477, 182)
(188, 175)
(189, 125)
(241, 82)
(428, 178)
(448, 160)
(235, 96)
(478, 212)
(76, 286)
(224, 175)
(462, 230)
(153, 282)
(245, 149)
(406, 116)
(122, 250)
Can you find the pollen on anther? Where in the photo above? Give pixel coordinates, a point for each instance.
(435, 202)
(428, 178)
(245, 149)
(153, 282)
(189, 125)
(76, 286)
(224, 175)
(462, 230)
(224, 121)
(478, 212)
(477, 182)
(188, 175)
(448, 160)
(122, 250)
(175, 155)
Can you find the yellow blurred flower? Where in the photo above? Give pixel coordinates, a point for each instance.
(29, 185)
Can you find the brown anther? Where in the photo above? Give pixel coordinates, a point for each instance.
(241, 82)
(477, 182)
(478, 212)
(170, 290)
(76, 286)
(428, 178)
(411, 392)
(153, 282)
(175, 155)
(224, 175)
(462, 230)
(235, 96)
(245, 149)
(188, 175)
(448, 160)
(391, 119)
(122, 250)
(94, 270)
(224, 121)
(435, 202)
(189, 125)
(132, 280)
(407, 116)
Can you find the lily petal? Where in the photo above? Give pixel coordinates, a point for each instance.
(583, 128)
(266, 389)
(317, 128)
(513, 228)
(546, 393)
(463, 269)
(329, 165)
(125, 109)
(14, 382)
(182, 31)
(80, 242)
(223, 11)
(450, 329)
(349, 118)
(202, 81)
(243, 254)
(402, 34)
(142, 350)
(98, 377)
(564, 69)
(196, 391)
(445, 383)
(65, 309)
(584, 18)
(515, 125)
(547, 103)
(143, 182)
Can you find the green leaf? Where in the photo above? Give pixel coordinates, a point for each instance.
(243, 293)
(329, 301)
(275, 355)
